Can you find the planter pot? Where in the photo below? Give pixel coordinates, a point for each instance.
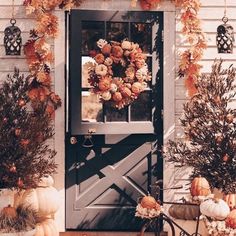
(26, 233)
(6, 197)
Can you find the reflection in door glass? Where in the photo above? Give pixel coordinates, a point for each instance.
(86, 62)
(142, 34)
(113, 114)
(117, 31)
(91, 107)
(91, 32)
(141, 108)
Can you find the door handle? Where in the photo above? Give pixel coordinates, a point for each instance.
(73, 140)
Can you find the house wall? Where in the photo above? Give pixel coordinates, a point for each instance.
(211, 13)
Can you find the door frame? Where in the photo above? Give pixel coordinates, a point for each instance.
(61, 87)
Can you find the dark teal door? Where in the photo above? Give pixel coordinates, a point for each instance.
(105, 178)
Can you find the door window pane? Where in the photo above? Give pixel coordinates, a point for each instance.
(141, 108)
(92, 31)
(86, 62)
(117, 31)
(91, 107)
(141, 33)
(112, 114)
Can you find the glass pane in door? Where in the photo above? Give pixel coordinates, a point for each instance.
(117, 31)
(91, 33)
(113, 114)
(141, 108)
(141, 33)
(91, 107)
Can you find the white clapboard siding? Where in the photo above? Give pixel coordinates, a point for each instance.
(19, 12)
(218, 3)
(24, 24)
(9, 3)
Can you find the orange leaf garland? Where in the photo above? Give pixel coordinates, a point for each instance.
(189, 67)
(43, 50)
(55, 98)
(43, 78)
(40, 93)
(149, 4)
(190, 84)
(47, 24)
(38, 52)
(50, 110)
(29, 50)
(189, 59)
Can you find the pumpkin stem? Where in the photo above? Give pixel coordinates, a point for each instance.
(216, 200)
(183, 199)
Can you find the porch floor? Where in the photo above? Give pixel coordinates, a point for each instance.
(70, 233)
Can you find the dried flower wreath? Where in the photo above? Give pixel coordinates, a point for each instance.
(39, 56)
(120, 72)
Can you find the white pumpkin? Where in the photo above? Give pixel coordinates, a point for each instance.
(46, 181)
(46, 228)
(217, 209)
(45, 200)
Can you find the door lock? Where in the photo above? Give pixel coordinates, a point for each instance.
(73, 140)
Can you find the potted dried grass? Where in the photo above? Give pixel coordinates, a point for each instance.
(20, 221)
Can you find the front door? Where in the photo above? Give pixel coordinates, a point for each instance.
(112, 155)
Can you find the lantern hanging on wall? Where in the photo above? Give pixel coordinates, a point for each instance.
(225, 36)
(12, 37)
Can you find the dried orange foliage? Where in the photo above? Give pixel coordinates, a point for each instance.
(149, 4)
(189, 66)
(38, 52)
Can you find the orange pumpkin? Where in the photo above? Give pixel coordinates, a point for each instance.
(200, 187)
(230, 200)
(106, 49)
(231, 219)
(9, 211)
(136, 87)
(126, 92)
(117, 52)
(149, 202)
(117, 96)
(104, 84)
(106, 96)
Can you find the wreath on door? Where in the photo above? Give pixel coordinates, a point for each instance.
(119, 72)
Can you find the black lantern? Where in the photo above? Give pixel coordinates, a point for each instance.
(12, 39)
(225, 37)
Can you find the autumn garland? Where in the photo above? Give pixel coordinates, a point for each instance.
(189, 66)
(39, 55)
